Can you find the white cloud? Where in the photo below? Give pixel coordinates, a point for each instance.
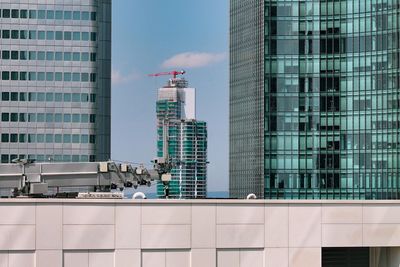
(119, 78)
(193, 60)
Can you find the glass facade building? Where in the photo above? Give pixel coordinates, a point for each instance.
(55, 80)
(318, 82)
(186, 140)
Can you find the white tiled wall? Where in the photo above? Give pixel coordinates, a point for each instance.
(70, 233)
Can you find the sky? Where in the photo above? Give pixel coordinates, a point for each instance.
(151, 36)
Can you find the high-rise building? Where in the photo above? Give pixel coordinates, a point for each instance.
(314, 99)
(55, 101)
(183, 139)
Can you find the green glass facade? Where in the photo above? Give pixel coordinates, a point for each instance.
(330, 99)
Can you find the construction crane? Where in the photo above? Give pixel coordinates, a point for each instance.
(173, 73)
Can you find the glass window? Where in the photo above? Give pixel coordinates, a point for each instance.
(14, 54)
(23, 76)
(14, 34)
(58, 76)
(49, 97)
(32, 76)
(14, 75)
(15, 13)
(31, 117)
(84, 77)
(93, 77)
(41, 76)
(41, 55)
(32, 97)
(40, 97)
(85, 97)
(31, 138)
(5, 54)
(58, 117)
(32, 35)
(84, 118)
(6, 13)
(5, 158)
(23, 55)
(85, 15)
(76, 97)
(58, 138)
(59, 14)
(41, 35)
(40, 117)
(75, 138)
(22, 117)
(6, 34)
(49, 76)
(67, 56)
(92, 139)
(93, 16)
(23, 34)
(41, 14)
(84, 138)
(59, 56)
(67, 76)
(85, 36)
(32, 55)
(76, 118)
(92, 98)
(67, 117)
(49, 117)
(92, 118)
(84, 158)
(13, 138)
(93, 57)
(5, 138)
(93, 36)
(59, 35)
(77, 36)
(67, 15)
(67, 138)
(76, 77)
(5, 75)
(85, 56)
(22, 138)
(58, 97)
(23, 14)
(14, 117)
(76, 56)
(77, 15)
(5, 116)
(67, 97)
(32, 14)
(23, 96)
(49, 138)
(40, 138)
(49, 55)
(5, 96)
(67, 158)
(14, 96)
(50, 14)
(67, 35)
(50, 35)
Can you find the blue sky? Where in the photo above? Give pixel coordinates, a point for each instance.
(151, 36)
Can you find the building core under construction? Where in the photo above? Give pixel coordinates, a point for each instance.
(182, 140)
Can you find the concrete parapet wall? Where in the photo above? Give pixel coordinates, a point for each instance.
(157, 233)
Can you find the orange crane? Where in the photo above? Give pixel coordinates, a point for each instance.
(173, 73)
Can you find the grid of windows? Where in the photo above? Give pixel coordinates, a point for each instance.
(48, 138)
(6, 158)
(48, 97)
(332, 99)
(48, 55)
(48, 76)
(49, 35)
(47, 14)
(48, 117)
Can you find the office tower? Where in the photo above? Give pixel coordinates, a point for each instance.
(183, 139)
(55, 80)
(314, 104)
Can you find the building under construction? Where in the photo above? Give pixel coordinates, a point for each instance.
(182, 140)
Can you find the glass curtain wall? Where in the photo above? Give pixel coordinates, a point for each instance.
(332, 101)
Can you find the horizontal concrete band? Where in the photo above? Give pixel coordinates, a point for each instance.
(164, 232)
